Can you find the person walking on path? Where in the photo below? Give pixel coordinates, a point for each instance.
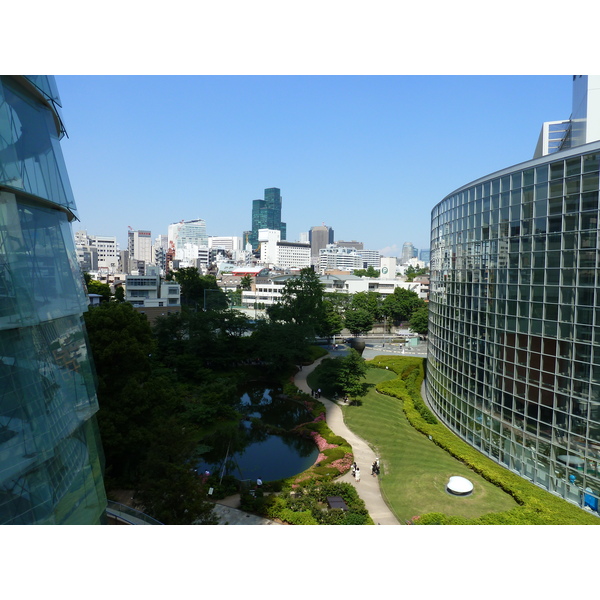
(357, 475)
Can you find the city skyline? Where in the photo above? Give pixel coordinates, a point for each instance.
(349, 151)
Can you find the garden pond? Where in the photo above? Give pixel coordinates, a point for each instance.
(254, 451)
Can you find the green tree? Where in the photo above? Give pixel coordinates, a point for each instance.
(97, 287)
(358, 321)
(371, 302)
(301, 302)
(419, 320)
(279, 345)
(199, 291)
(122, 346)
(246, 283)
(119, 294)
(400, 305)
(370, 271)
(352, 369)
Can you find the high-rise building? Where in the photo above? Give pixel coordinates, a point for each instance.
(50, 465)
(514, 331)
(266, 214)
(319, 237)
(408, 252)
(139, 244)
(584, 124)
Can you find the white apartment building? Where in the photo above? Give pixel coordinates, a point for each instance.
(370, 258)
(333, 257)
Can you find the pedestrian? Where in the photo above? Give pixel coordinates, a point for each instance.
(357, 475)
(319, 392)
(353, 469)
(374, 468)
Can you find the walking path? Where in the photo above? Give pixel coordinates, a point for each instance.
(368, 487)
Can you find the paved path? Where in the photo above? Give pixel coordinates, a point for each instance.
(368, 487)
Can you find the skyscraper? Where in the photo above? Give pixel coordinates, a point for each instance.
(266, 214)
(50, 466)
(319, 236)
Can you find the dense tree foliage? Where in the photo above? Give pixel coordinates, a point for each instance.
(301, 303)
(419, 320)
(400, 305)
(199, 291)
(412, 272)
(358, 321)
(370, 271)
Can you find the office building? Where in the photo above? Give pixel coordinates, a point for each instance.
(139, 244)
(50, 452)
(370, 258)
(353, 244)
(333, 258)
(319, 237)
(266, 214)
(280, 253)
(408, 252)
(514, 326)
(97, 253)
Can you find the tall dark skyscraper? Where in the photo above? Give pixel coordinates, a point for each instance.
(266, 214)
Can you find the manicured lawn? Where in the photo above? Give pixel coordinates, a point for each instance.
(414, 470)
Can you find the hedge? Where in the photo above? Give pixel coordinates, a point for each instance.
(536, 506)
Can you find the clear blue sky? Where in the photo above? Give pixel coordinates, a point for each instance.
(367, 155)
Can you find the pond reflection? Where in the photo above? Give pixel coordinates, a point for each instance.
(253, 451)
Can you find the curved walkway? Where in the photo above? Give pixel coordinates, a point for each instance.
(368, 487)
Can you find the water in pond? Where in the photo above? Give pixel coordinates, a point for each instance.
(253, 452)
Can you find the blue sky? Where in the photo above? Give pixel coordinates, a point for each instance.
(367, 155)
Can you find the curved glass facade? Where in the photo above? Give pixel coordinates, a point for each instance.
(514, 330)
(50, 452)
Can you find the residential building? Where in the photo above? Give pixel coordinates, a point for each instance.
(50, 450)
(514, 336)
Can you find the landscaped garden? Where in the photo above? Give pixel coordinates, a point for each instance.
(419, 454)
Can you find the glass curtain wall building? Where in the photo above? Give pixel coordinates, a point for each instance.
(50, 452)
(266, 214)
(514, 332)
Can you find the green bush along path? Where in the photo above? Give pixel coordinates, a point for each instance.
(414, 471)
(368, 487)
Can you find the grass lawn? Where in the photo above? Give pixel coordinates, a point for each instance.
(414, 471)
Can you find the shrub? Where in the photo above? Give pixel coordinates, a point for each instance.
(537, 506)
